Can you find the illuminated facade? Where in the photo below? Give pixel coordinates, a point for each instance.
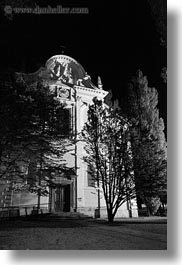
(74, 192)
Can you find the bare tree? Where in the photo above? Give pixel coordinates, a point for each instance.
(106, 137)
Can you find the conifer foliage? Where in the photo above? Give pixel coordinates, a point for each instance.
(148, 142)
(32, 141)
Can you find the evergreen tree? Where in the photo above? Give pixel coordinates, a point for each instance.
(159, 13)
(112, 103)
(33, 139)
(147, 139)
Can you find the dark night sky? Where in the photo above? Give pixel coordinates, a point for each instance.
(113, 41)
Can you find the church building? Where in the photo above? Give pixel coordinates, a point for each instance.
(75, 191)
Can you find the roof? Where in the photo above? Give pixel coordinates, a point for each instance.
(68, 70)
(60, 68)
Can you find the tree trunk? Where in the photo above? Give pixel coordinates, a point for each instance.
(110, 216)
(148, 211)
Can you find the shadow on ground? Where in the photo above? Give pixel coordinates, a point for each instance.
(14, 224)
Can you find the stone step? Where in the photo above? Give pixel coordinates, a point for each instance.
(69, 215)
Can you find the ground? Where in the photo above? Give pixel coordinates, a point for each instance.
(126, 234)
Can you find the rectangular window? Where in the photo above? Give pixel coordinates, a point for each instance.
(90, 176)
(32, 173)
(63, 124)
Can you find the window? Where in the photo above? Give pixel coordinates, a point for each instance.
(63, 121)
(32, 173)
(90, 176)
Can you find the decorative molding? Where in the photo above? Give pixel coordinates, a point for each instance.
(60, 57)
(91, 91)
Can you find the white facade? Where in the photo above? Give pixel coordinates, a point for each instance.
(73, 86)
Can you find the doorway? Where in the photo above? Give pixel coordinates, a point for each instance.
(62, 198)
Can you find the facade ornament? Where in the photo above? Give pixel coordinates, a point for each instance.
(99, 83)
(56, 69)
(86, 77)
(66, 71)
(79, 82)
(70, 80)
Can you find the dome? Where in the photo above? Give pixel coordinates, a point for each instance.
(68, 70)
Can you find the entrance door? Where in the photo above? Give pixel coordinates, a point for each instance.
(62, 198)
(66, 206)
(58, 203)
